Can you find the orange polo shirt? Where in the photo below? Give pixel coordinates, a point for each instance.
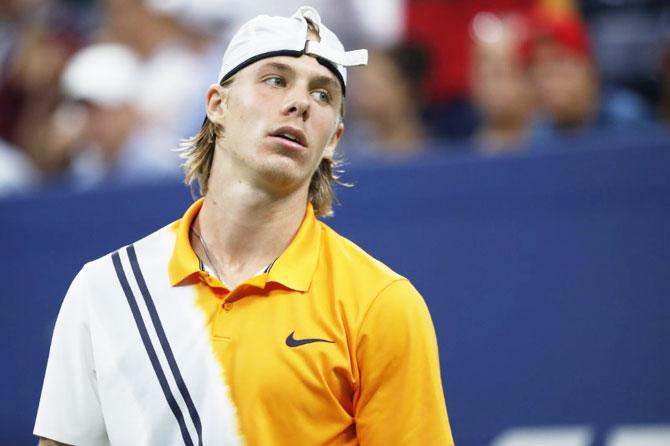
(328, 346)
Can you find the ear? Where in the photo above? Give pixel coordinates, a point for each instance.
(329, 151)
(216, 103)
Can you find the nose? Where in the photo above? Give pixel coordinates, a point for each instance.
(297, 104)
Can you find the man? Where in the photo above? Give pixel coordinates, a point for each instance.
(248, 320)
(387, 105)
(100, 84)
(565, 81)
(499, 87)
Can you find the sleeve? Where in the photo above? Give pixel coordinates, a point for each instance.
(400, 398)
(69, 410)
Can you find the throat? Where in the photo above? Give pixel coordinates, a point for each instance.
(229, 274)
(237, 243)
(231, 279)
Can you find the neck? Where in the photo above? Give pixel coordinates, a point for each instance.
(507, 133)
(402, 132)
(503, 133)
(245, 229)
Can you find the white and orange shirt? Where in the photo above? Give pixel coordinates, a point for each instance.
(326, 346)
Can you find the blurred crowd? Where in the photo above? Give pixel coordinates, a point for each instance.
(96, 92)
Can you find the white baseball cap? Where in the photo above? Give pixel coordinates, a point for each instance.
(104, 74)
(268, 36)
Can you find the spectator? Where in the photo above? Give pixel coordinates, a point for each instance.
(16, 171)
(664, 70)
(625, 37)
(102, 80)
(175, 51)
(30, 92)
(499, 86)
(566, 82)
(443, 28)
(386, 104)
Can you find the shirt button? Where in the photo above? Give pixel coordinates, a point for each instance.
(228, 306)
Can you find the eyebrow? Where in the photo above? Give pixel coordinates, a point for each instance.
(326, 81)
(277, 66)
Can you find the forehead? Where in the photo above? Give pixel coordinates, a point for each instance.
(546, 50)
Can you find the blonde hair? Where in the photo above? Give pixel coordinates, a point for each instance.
(198, 154)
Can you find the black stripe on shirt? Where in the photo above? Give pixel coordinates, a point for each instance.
(150, 349)
(269, 267)
(167, 350)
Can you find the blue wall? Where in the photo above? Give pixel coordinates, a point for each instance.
(547, 276)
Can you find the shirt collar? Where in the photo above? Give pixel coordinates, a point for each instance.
(294, 268)
(184, 262)
(296, 265)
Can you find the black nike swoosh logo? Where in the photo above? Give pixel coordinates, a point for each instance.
(293, 342)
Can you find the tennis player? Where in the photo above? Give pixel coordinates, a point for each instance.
(248, 320)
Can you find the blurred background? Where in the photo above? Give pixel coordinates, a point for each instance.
(515, 152)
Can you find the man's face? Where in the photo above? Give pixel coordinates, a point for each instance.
(109, 127)
(379, 90)
(279, 118)
(498, 83)
(565, 83)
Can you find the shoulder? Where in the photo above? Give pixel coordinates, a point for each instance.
(347, 257)
(365, 280)
(374, 297)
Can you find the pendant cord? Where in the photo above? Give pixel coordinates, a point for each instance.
(208, 255)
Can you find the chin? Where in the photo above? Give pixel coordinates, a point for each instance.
(283, 175)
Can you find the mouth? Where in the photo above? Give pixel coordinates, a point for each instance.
(291, 134)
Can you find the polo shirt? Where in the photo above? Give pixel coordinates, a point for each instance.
(325, 346)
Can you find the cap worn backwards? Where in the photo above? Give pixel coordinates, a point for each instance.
(268, 36)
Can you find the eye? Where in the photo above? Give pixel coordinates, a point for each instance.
(275, 81)
(321, 96)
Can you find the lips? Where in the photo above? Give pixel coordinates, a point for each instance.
(291, 134)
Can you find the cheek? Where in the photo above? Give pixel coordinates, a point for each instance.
(243, 117)
(239, 106)
(323, 129)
